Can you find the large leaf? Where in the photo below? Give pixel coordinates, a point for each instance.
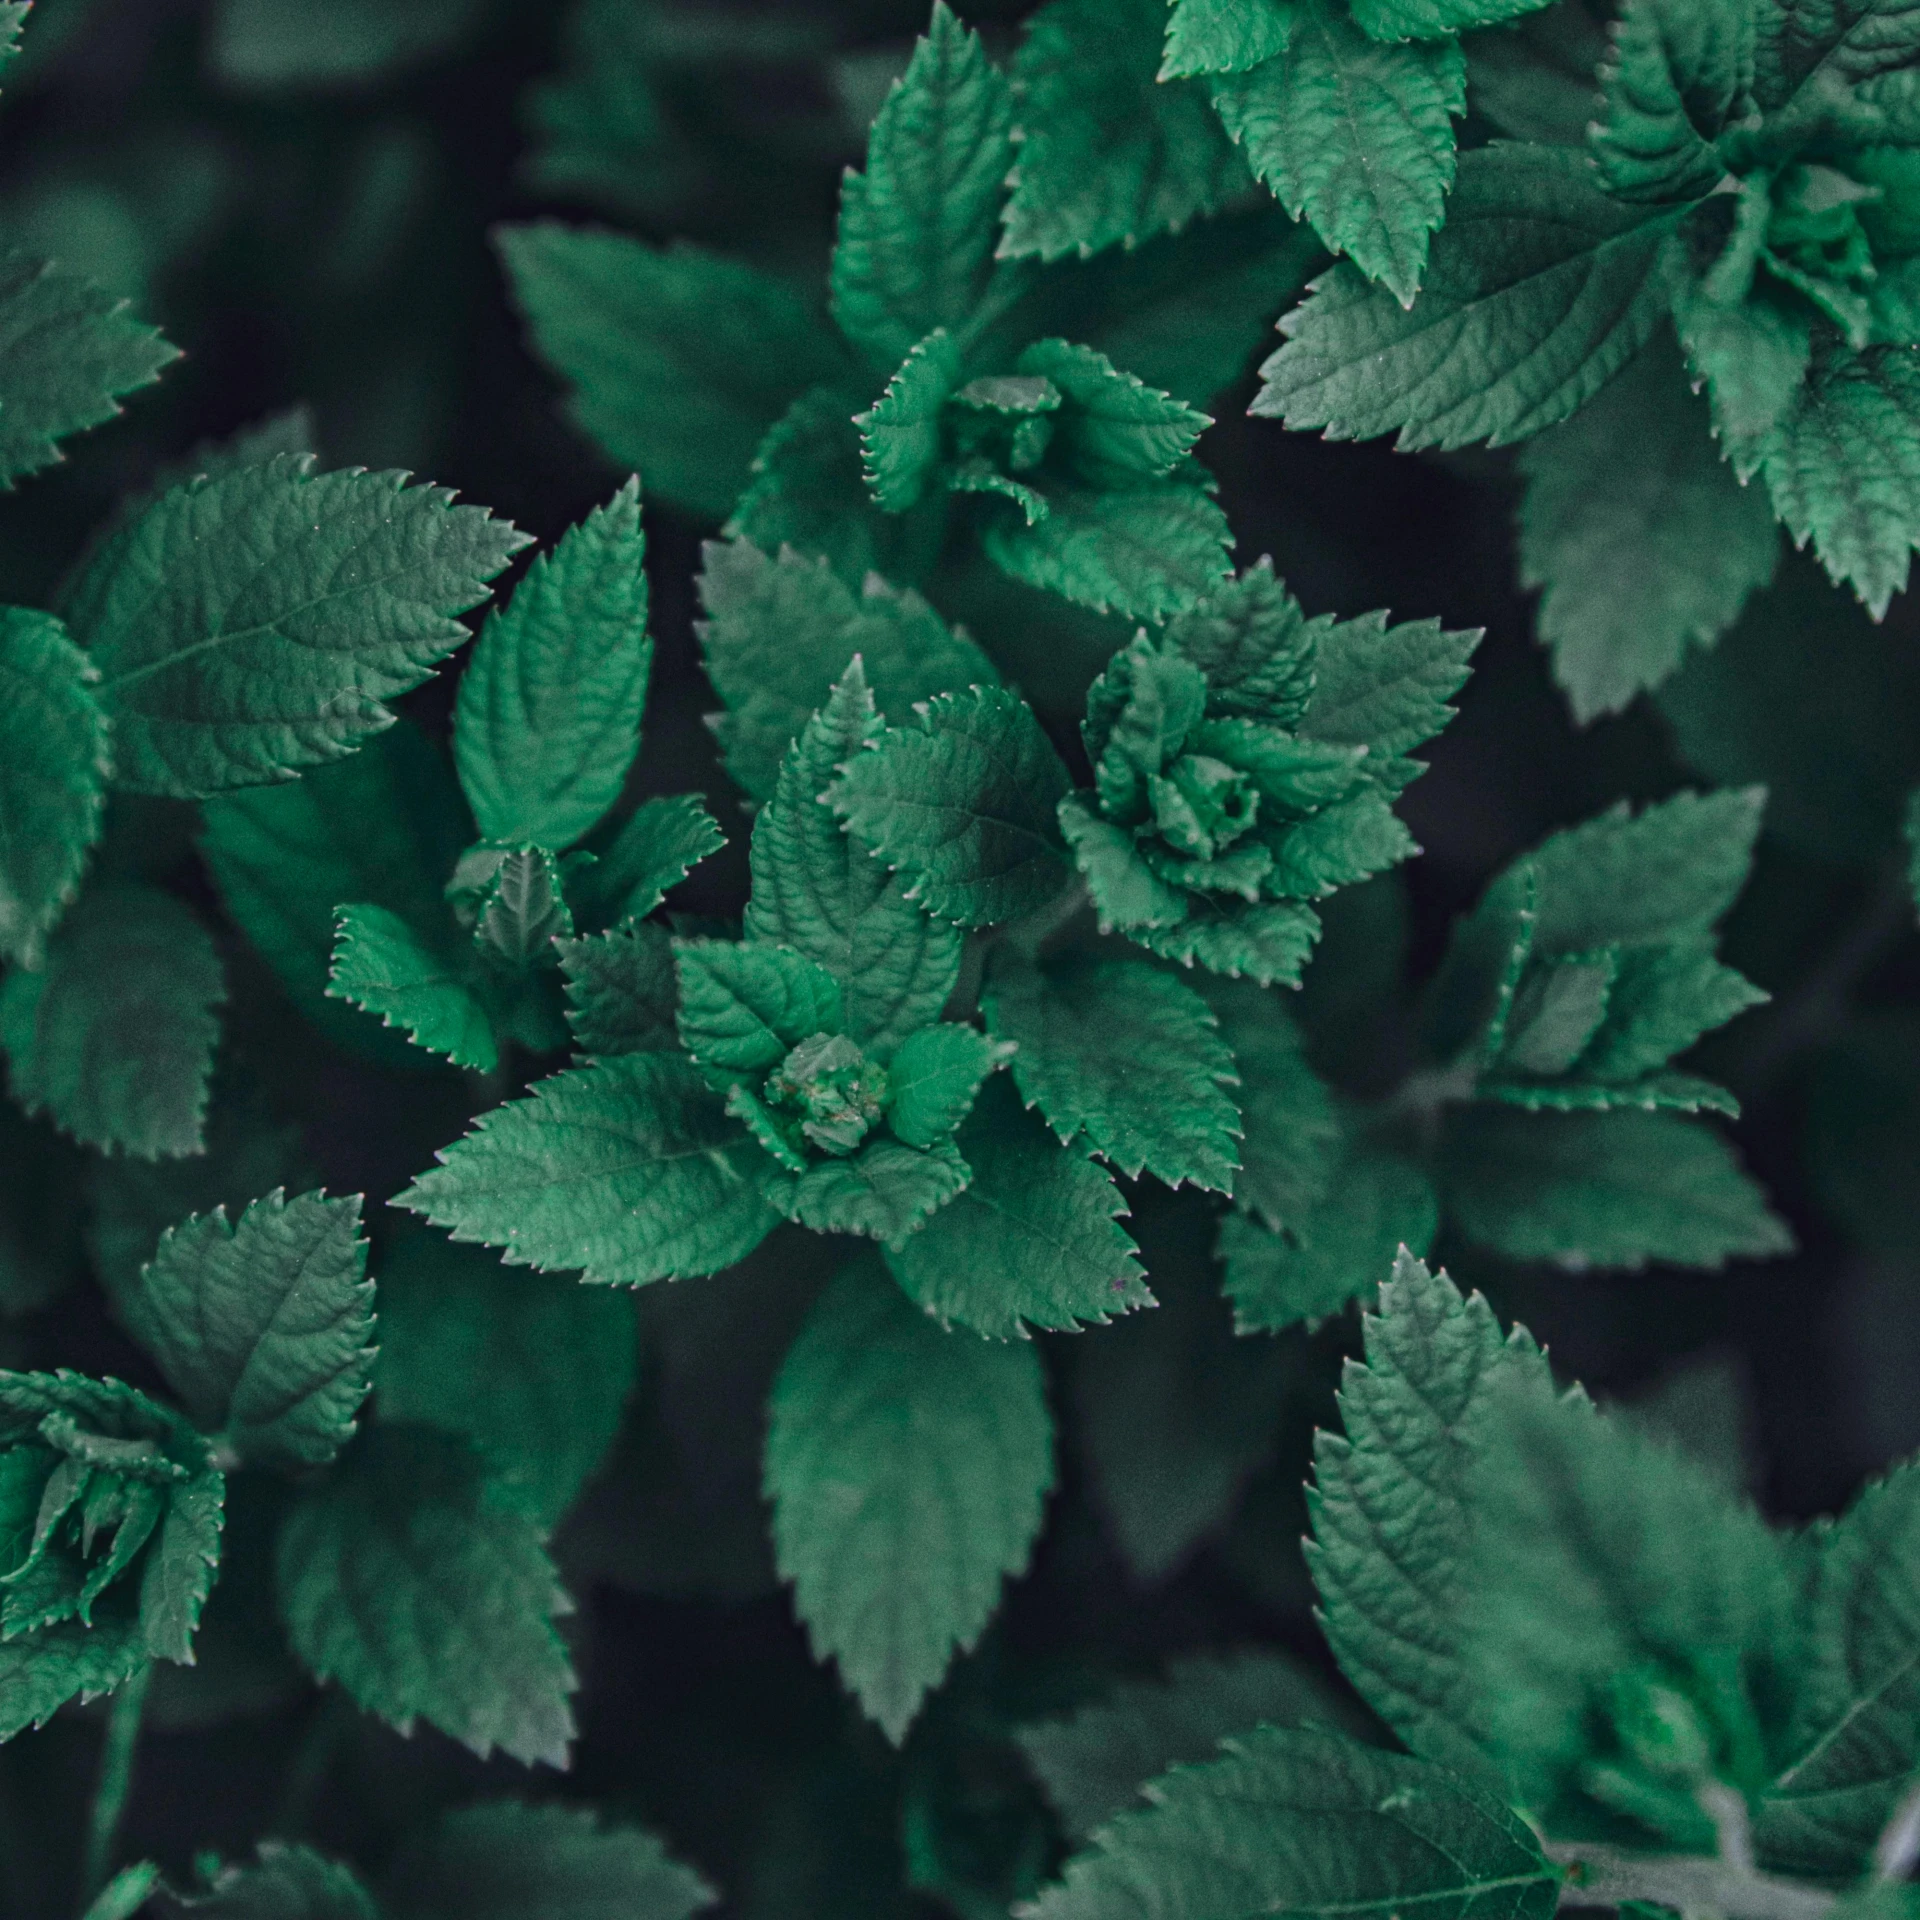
(907, 1468)
(255, 623)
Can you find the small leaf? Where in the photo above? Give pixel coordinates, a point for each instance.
(548, 718)
(523, 910)
(1255, 646)
(933, 1078)
(1130, 1056)
(1225, 36)
(622, 992)
(1677, 71)
(907, 1469)
(884, 1192)
(902, 439)
(383, 967)
(662, 841)
(114, 1039)
(745, 1007)
(1386, 688)
(1034, 1240)
(264, 1325)
(54, 763)
(1269, 944)
(422, 1587)
(286, 1883)
(963, 803)
(628, 1169)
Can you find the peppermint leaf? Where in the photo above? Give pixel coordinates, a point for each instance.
(622, 993)
(1355, 135)
(962, 802)
(1431, 19)
(535, 1370)
(745, 1007)
(907, 1469)
(113, 1040)
(661, 842)
(54, 763)
(1034, 1240)
(1386, 688)
(1677, 71)
(548, 718)
(1111, 149)
(917, 228)
(1224, 36)
(884, 1192)
(383, 967)
(264, 1325)
(1538, 290)
(933, 1079)
(1128, 1055)
(523, 910)
(255, 623)
(422, 1587)
(677, 361)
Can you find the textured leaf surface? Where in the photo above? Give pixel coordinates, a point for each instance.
(819, 892)
(907, 1467)
(264, 1325)
(1094, 1763)
(54, 762)
(1539, 289)
(780, 633)
(677, 361)
(1305, 1822)
(1676, 72)
(1225, 36)
(114, 1040)
(69, 353)
(548, 718)
(917, 228)
(256, 623)
(1131, 1056)
(658, 845)
(1108, 152)
(1645, 543)
(422, 1587)
(744, 1007)
(934, 1077)
(622, 993)
(1355, 135)
(504, 1860)
(628, 1169)
(1390, 1523)
(383, 967)
(534, 1369)
(285, 1882)
(1386, 688)
(1034, 1241)
(963, 803)
(884, 1192)
(1605, 1190)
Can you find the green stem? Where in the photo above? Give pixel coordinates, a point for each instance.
(114, 1786)
(1689, 1883)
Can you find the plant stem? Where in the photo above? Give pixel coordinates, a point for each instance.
(1898, 1847)
(114, 1786)
(1692, 1883)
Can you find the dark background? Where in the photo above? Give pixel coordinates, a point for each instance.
(328, 246)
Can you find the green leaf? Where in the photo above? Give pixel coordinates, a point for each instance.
(113, 1040)
(421, 1586)
(1391, 1528)
(901, 436)
(1268, 944)
(1128, 1055)
(661, 842)
(1654, 1093)
(1344, 843)
(1096, 1762)
(622, 992)
(1644, 541)
(1111, 151)
(908, 1468)
(1255, 646)
(1803, 43)
(1556, 1010)
(1386, 688)
(1224, 36)
(264, 1325)
(504, 1860)
(1539, 289)
(1677, 71)
(286, 1883)
(523, 909)
(780, 633)
(256, 623)
(884, 1192)
(1300, 1821)
(13, 17)
(1855, 1733)
(963, 803)
(1035, 1239)
(744, 1007)
(1147, 553)
(1114, 431)
(677, 361)
(628, 1169)
(70, 352)
(1355, 136)
(535, 1370)
(933, 1080)
(382, 966)
(54, 763)
(817, 891)
(548, 718)
(1375, 1203)
(1433, 19)
(1843, 467)
(1604, 1190)
(384, 827)
(917, 229)
(1661, 1000)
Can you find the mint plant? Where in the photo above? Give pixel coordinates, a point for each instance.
(738, 1203)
